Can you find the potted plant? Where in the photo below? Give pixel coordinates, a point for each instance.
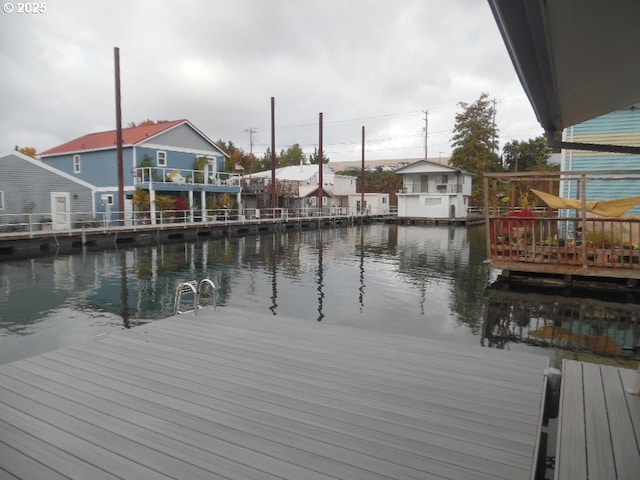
(47, 223)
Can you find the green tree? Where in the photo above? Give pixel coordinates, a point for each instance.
(144, 123)
(314, 158)
(291, 156)
(530, 156)
(378, 182)
(265, 162)
(227, 147)
(475, 144)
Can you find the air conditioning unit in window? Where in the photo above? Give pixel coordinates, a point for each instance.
(441, 188)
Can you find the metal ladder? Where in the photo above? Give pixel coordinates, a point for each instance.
(195, 289)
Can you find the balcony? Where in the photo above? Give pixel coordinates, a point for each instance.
(440, 189)
(148, 176)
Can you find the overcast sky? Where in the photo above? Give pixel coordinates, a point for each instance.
(372, 63)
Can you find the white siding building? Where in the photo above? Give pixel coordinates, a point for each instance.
(433, 190)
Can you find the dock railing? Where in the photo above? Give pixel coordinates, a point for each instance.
(524, 234)
(38, 223)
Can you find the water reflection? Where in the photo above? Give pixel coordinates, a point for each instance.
(361, 265)
(421, 281)
(605, 326)
(320, 280)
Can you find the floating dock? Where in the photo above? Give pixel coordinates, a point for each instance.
(226, 394)
(31, 244)
(599, 424)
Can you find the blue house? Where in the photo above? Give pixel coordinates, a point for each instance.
(171, 158)
(621, 127)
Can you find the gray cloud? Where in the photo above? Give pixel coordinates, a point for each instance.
(374, 63)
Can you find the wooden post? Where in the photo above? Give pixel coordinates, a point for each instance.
(274, 195)
(362, 175)
(119, 142)
(320, 164)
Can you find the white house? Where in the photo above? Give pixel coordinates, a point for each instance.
(433, 190)
(374, 203)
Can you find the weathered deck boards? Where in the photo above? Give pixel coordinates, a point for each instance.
(599, 424)
(227, 396)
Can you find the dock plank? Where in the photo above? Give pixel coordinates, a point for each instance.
(229, 395)
(626, 455)
(598, 424)
(599, 449)
(629, 379)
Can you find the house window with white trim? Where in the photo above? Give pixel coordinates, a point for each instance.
(76, 164)
(161, 159)
(106, 199)
(432, 201)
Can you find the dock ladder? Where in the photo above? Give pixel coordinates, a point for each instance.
(195, 289)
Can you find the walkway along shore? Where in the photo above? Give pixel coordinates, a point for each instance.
(47, 242)
(27, 244)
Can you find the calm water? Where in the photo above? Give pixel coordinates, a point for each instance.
(422, 281)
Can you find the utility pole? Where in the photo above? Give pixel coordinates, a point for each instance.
(119, 140)
(362, 187)
(493, 141)
(426, 131)
(321, 166)
(250, 131)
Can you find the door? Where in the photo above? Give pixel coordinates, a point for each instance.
(60, 210)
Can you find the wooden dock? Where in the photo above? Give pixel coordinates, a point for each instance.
(586, 241)
(599, 424)
(27, 244)
(240, 396)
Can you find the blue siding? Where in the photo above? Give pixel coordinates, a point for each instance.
(621, 127)
(620, 121)
(183, 136)
(176, 160)
(98, 168)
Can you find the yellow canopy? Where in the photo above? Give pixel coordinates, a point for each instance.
(606, 208)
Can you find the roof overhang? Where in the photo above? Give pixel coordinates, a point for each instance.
(576, 59)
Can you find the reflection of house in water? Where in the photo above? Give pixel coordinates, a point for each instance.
(573, 323)
(448, 245)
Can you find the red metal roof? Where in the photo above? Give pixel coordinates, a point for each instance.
(104, 140)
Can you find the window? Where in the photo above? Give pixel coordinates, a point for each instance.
(161, 159)
(424, 184)
(314, 201)
(444, 179)
(432, 201)
(1, 200)
(76, 164)
(384, 200)
(106, 199)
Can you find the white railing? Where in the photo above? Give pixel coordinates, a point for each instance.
(39, 222)
(183, 176)
(443, 189)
